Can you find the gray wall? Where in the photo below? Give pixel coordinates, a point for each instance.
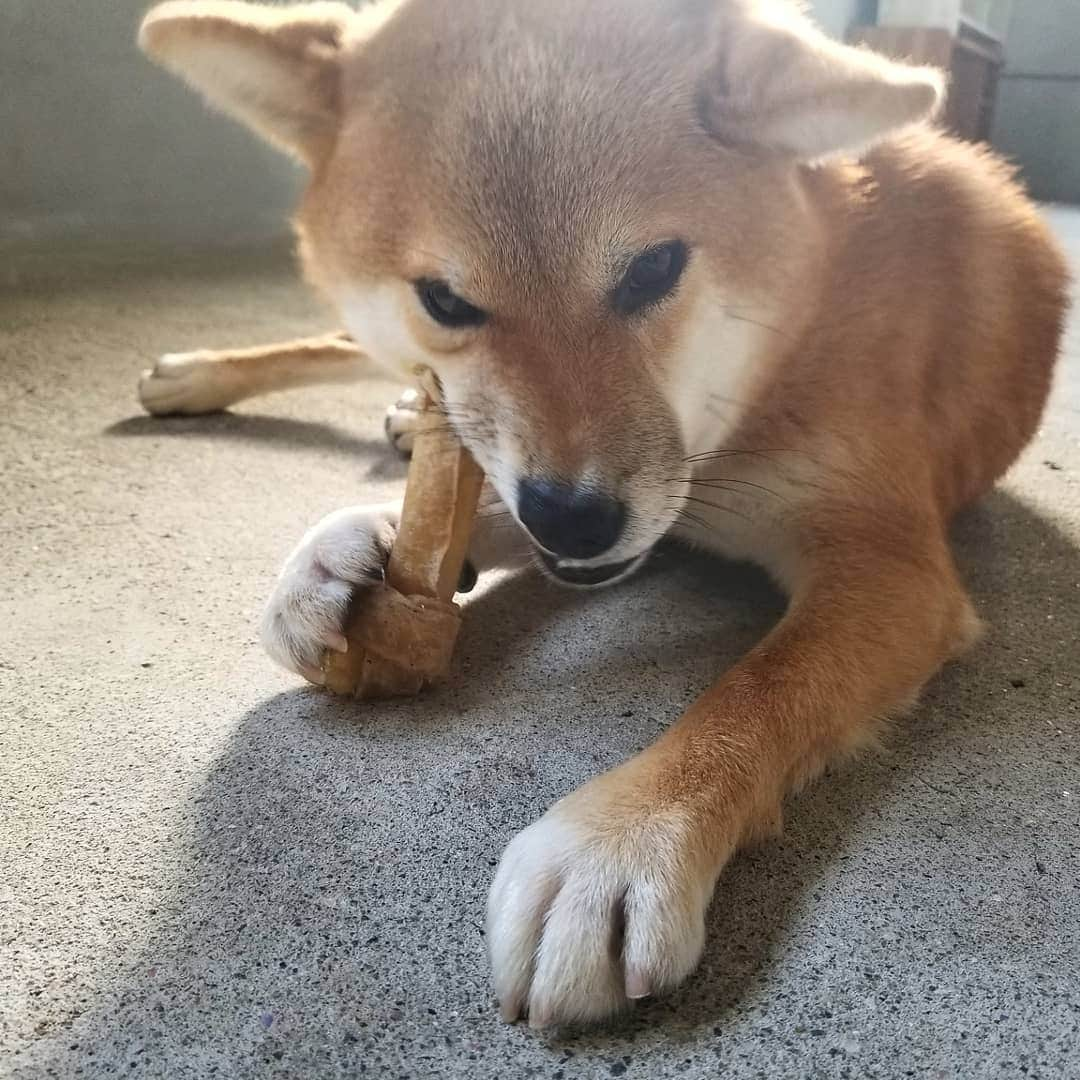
(996, 14)
(1038, 120)
(94, 140)
(837, 15)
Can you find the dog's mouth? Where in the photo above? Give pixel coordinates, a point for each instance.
(584, 577)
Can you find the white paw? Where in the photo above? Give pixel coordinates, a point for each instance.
(189, 383)
(588, 913)
(307, 611)
(401, 422)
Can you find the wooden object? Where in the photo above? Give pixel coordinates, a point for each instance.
(402, 633)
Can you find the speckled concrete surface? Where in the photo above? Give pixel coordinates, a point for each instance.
(206, 870)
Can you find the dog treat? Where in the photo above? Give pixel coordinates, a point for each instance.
(402, 633)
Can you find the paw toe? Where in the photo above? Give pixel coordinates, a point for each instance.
(579, 928)
(401, 422)
(184, 383)
(306, 615)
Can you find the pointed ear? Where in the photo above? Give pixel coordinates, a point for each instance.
(781, 84)
(275, 68)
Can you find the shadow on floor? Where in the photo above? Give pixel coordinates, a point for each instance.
(286, 433)
(338, 864)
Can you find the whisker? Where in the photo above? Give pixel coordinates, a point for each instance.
(699, 521)
(764, 326)
(713, 506)
(712, 455)
(735, 403)
(723, 483)
(452, 429)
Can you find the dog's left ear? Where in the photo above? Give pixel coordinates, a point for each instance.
(275, 68)
(781, 84)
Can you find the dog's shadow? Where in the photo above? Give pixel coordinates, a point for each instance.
(284, 433)
(289, 433)
(332, 883)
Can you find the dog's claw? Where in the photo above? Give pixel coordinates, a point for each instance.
(637, 985)
(313, 675)
(538, 1021)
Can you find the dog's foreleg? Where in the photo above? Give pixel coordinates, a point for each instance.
(206, 381)
(603, 900)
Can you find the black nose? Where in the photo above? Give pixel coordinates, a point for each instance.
(575, 523)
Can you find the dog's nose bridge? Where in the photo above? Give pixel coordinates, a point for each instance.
(585, 405)
(573, 403)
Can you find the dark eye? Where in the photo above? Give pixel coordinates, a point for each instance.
(652, 275)
(446, 307)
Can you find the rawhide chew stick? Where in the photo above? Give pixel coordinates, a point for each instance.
(402, 632)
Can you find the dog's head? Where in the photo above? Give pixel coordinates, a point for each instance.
(588, 219)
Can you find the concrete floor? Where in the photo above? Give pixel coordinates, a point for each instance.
(208, 870)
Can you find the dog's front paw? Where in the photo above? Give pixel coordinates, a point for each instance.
(306, 614)
(189, 384)
(597, 904)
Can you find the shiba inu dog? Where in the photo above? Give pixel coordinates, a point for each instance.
(683, 268)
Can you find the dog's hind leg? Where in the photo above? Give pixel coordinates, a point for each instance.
(206, 381)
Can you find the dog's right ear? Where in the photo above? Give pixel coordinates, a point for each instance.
(275, 68)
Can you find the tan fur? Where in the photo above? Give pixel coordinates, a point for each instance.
(206, 381)
(899, 319)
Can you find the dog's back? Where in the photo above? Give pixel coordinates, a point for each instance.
(937, 324)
